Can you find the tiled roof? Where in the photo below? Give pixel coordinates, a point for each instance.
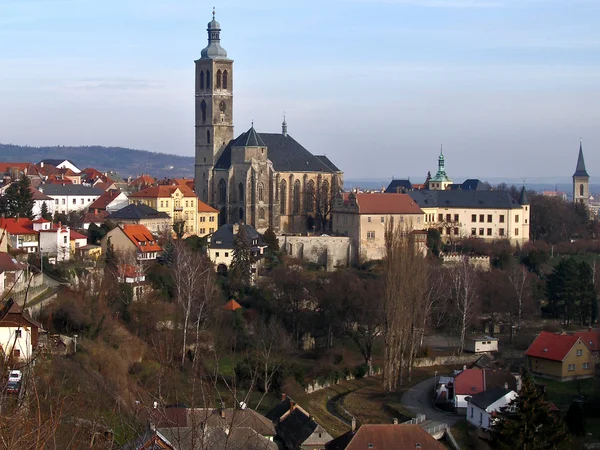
(142, 238)
(137, 211)
(204, 208)
(464, 199)
(580, 170)
(551, 346)
(104, 200)
(17, 226)
(380, 203)
(398, 186)
(11, 314)
(286, 154)
(130, 271)
(6, 167)
(473, 381)
(75, 235)
(41, 220)
(249, 139)
(486, 398)
(56, 162)
(231, 305)
(163, 191)
(224, 237)
(37, 195)
(390, 436)
(325, 160)
(590, 338)
(69, 189)
(95, 218)
(143, 180)
(9, 264)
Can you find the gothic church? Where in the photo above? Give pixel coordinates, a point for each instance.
(262, 179)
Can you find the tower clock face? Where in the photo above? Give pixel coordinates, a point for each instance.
(222, 106)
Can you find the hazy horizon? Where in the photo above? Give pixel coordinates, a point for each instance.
(507, 86)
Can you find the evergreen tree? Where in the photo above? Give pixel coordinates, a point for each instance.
(241, 263)
(18, 199)
(528, 423)
(45, 213)
(271, 241)
(111, 256)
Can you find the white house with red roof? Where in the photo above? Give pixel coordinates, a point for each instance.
(560, 356)
(134, 240)
(55, 242)
(20, 234)
(18, 332)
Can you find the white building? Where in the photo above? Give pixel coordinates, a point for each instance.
(18, 332)
(39, 199)
(60, 164)
(55, 242)
(220, 250)
(481, 344)
(70, 197)
(483, 406)
(19, 234)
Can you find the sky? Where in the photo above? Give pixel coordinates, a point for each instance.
(508, 87)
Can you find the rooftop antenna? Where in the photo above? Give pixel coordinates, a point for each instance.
(213, 13)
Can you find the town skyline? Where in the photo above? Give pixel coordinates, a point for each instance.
(439, 62)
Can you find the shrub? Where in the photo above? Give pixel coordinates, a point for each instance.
(423, 352)
(361, 371)
(338, 358)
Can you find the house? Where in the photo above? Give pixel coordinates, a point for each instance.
(77, 240)
(560, 356)
(89, 252)
(386, 436)
(481, 344)
(179, 202)
(142, 182)
(470, 382)
(140, 214)
(39, 199)
(20, 234)
(109, 201)
(220, 249)
(91, 218)
(591, 338)
(60, 164)
(14, 170)
(18, 332)
(134, 276)
(484, 406)
(70, 197)
(295, 427)
(208, 218)
(364, 217)
(55, 241)
(90, 176)
(14, 275)
(133, 239)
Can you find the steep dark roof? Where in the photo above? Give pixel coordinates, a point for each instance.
(524, 197)
(399, 187)
(296, 428)
(69, 189)
(286, 154)
(138, 211)
(471, 184)
(340, 442)
(580, 169)
(224, 237)
(486, 398)
(249, 139)
(279, 410)
(56, 162)
(464, 199)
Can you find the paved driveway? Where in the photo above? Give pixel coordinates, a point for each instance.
(418, 400)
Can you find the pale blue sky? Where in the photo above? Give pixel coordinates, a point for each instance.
(507, 86)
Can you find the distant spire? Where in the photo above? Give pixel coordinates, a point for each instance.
(214, 49)
(580, 170)
(442, 149)
(284, 126)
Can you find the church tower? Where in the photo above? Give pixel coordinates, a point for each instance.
(581, 180)
(214, 110)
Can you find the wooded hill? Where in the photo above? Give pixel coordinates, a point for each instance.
(125, 161)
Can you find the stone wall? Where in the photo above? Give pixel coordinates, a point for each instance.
(447, 360)
(328, 251)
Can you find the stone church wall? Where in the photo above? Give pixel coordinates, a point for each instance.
(328, 251)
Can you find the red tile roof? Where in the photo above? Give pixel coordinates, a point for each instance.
(380, 203)
(17, 226)
(551, 346)
(130, 271)
(142, 238)
(75, 235)
(390, 436)
(143, 180)
(590, 338)
(6, 167)
(104, 200)
(41, 220)
(163, 191)
(204, 208)
(469, 381)
(94, 218)
(9, 264)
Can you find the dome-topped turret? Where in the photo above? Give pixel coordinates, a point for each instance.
(213, 50)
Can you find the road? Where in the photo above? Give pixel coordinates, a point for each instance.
(418, 400)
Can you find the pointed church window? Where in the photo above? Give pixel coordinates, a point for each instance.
(202, 79)
(261, 192)
(225, 79)
(241, 193)
(203, 110)
(208, 136)
(208, 79)
(222, 191)
(581, 190)
(283, 197)
(218, 79)
(297, 197)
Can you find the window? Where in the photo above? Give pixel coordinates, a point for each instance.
(455, 231)
(224, 79)
(382, 219)
(56, 202)
(202, 219)
(516, 231)
(222, 191)
(369, 219)
(517, 218)
(586, 366)
(261, 214)
(448, 217)
(17, 333)
(208, 136)
(202, 80)
(481, 217)
(283, 197)
(297, 197)
(203, 110)
(74, 201)
(186, 204)
(471, 412)
(581, 190)
(208, 79)
(456, 217)
(219, 79)
(211, 219)
(217, 254)
(440, 217)
(489, 231)
(500, 231)
(501, 218)
(202, 230)
(489, 218)
(481, 230)
(473, 231)
(64, 239)
(162, 204)
(211, 230)
(579, 352)
(82, 201)
(370, 235)
(17, 353)
(226, 254)
(571, 367)
(473, 217)
(261, 189)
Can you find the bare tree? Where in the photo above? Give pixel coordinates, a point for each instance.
(464, 291)
(519, 280)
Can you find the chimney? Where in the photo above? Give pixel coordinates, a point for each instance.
(353, 424)
(283, 396)
(236, 228)
(395, 421)
(42, 164)
(465, 367)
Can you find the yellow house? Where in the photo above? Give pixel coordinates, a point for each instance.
(208, 219)
(179, 202)
(560, 356)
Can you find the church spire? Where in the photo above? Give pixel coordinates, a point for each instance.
(580, 170)
(284, 126)
(214, 50)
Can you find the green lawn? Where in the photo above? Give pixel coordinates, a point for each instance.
(562, 393)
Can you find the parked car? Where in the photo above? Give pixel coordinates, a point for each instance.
(13, 387)
(15, 375)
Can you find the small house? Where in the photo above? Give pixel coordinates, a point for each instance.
(485, 405)
(481, 344)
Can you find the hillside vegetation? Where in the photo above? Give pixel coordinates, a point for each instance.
(125, 161)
